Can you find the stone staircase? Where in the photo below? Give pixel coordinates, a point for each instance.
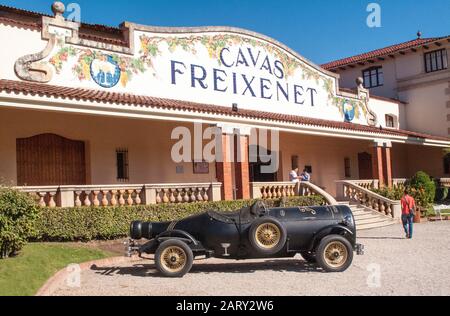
(367, 218)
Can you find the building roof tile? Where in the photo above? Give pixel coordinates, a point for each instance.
(389, 50)
(46, 90)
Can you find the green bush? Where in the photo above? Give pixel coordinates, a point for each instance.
(423, 189)
(69, 224)
(394, 193)
(18, 213)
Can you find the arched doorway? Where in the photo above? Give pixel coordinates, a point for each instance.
(365, 166)
(49, 159)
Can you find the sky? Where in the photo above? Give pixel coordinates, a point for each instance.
(320, 30)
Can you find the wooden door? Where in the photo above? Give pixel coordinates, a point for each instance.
(365, 166)
(50, 159)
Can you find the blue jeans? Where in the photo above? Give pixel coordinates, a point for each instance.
(407, 221)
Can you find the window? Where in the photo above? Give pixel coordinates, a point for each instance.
(373, 77)
(294, 162)
(390, 121)
(347, 167)
(122, 164)
(447, 164)
(436, 60)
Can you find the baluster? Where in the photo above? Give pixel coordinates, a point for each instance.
(192, 195)
(263, 193)
(77, 198)
(387, 208)
(381, 207)
(105, 198)
(158, 196)
(41, 199)
(172, 196)
(165, 197)
(375, 204)
(199, 194)
(130, 197)
(87, 200)
(276, 191)
(138, 197)
(113, 197)
(51, 201)
(269, 192)
(121, 198)
(179, 196)
(186, 195)
(205, 194)
(96, 202)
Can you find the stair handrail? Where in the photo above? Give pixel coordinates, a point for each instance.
(306, 186)
(351, 191)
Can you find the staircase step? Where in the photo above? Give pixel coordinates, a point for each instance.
(375, 225)
(365, 216)
(371, 220)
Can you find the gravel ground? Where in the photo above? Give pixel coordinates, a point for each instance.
(406, 267)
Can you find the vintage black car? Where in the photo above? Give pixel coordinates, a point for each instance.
(325, 235)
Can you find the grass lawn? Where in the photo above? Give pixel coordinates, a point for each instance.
(37, 262)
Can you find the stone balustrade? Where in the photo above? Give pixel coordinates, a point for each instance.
(444, 182)
(182, 193)
(397, 183)
(367, 184)
(274, 190)
(123, 195)
(351, 191)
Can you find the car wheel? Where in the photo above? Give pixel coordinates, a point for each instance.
(309, 256)
(334, 253)
(267, 235)
(173, 258)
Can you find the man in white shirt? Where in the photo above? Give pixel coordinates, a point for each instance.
(293, 176)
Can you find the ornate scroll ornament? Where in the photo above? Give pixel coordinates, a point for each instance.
(30, 67)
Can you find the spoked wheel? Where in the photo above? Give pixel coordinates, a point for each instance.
(267, 235)
(334, 254)
(173, 258)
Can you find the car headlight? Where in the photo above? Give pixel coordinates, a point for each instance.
(348, 220)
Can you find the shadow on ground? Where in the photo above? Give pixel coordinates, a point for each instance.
(232, 267)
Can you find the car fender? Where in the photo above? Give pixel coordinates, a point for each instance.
(335, 229)
(177, 234)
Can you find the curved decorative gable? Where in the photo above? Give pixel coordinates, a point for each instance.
(215, 65)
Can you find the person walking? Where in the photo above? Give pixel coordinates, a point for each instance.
(408, 212)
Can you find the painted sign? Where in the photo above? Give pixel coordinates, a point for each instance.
(220, 68)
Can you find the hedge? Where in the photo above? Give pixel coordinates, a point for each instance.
(84, 224)
(18, 213)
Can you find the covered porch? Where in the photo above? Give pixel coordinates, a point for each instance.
(74, 159)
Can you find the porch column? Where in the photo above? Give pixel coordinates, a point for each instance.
(377, 164)
(387, 165)
(224, 168)
(242, 168)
